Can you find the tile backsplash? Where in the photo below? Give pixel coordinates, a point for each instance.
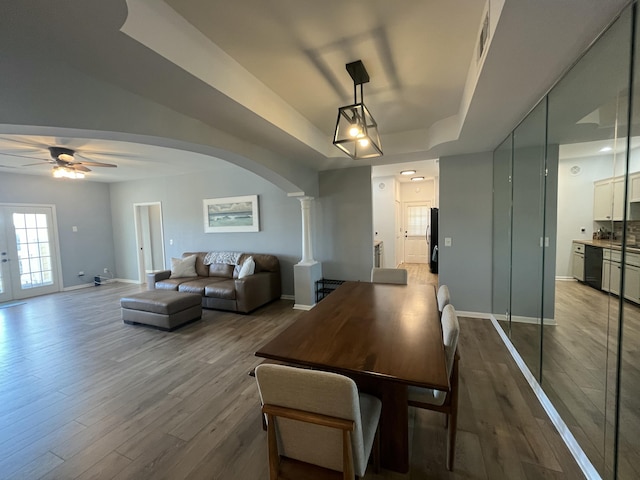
(633, 228)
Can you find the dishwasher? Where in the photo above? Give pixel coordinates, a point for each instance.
(593, 266)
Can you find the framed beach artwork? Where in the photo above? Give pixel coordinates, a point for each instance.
(231, 214)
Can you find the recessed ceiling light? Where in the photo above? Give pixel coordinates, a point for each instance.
(407, 172)
(417, 179)
(606, 149)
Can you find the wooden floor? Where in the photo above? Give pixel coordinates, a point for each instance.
(83, 396)
(579, 368)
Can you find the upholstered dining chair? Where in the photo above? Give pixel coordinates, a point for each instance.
(444, 298)
(436, 400)
(389, 275)
(317, 418)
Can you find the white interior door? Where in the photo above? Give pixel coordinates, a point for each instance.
(416, 221)
(399, 236)
(150, 238)
(28, 252)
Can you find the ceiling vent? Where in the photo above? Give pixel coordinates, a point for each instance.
(484, 36)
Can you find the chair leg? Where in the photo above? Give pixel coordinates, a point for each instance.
(376, 451)
(272, 444)
(453, 423)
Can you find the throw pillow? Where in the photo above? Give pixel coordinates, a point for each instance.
(248, 267)
(183, 267)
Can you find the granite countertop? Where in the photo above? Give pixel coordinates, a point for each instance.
(612, 244)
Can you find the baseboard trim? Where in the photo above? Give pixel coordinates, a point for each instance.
(480, 315)
(287, 297)
(570, 441)
(306, 308)
(123, 280)
(77, 287)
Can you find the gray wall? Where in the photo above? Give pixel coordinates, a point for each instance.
(83, 204)
(181, 196)
(345, 229)
(466, 216)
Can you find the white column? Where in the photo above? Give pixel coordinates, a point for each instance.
(307, 271)
(307, 247)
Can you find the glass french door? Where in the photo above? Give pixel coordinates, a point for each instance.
(28, 258)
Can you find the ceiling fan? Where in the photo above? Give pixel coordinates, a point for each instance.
(66, 165)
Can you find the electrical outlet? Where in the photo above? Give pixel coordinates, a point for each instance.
(81, 273)
(106, 270)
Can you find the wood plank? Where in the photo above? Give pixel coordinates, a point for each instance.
(194, 382)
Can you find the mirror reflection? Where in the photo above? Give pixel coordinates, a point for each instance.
(566, 267)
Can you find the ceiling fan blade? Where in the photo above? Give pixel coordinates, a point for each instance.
(26, 156)
(77, 166)
(95, 164)
(33, 144)
(7, 166)
(34, 164)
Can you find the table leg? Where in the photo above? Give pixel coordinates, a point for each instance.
(394, 422)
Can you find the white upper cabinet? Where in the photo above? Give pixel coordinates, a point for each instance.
(602, 200)
(608, 199)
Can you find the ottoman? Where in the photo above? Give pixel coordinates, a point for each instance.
(162, 309)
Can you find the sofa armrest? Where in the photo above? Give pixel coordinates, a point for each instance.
(256, 290)
(154, 277)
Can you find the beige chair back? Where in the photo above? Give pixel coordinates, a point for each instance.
(317, 392)
(444, 298)
(389, 275)
(450, 334)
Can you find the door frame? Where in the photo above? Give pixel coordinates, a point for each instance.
(55, 247)
(142, 275)
(429, 205)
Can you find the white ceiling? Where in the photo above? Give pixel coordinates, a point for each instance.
(283, 64)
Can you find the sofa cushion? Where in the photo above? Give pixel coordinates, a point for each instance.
(248, 268)
(264, 262)
(197, 285)
(171, 283)
(201, 269)
(225, 289)
(221, 270)
(183, 267)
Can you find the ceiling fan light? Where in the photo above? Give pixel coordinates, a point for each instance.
(66, 172)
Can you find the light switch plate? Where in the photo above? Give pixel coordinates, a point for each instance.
(447, 241)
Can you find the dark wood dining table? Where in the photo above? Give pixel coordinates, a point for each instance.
(385, 337)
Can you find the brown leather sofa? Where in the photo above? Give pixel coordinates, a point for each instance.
(219, 285)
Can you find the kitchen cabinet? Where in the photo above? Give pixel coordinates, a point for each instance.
(634, 187)
(632, 277)
(632, 283)
(611, 269)
(577, 267)
(608, 199)
(602, 194)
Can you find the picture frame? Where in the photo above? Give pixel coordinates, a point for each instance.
(231, 214)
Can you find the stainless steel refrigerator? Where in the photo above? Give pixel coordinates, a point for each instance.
(432, 239)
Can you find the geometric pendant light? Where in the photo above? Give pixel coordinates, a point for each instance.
(356, 131)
